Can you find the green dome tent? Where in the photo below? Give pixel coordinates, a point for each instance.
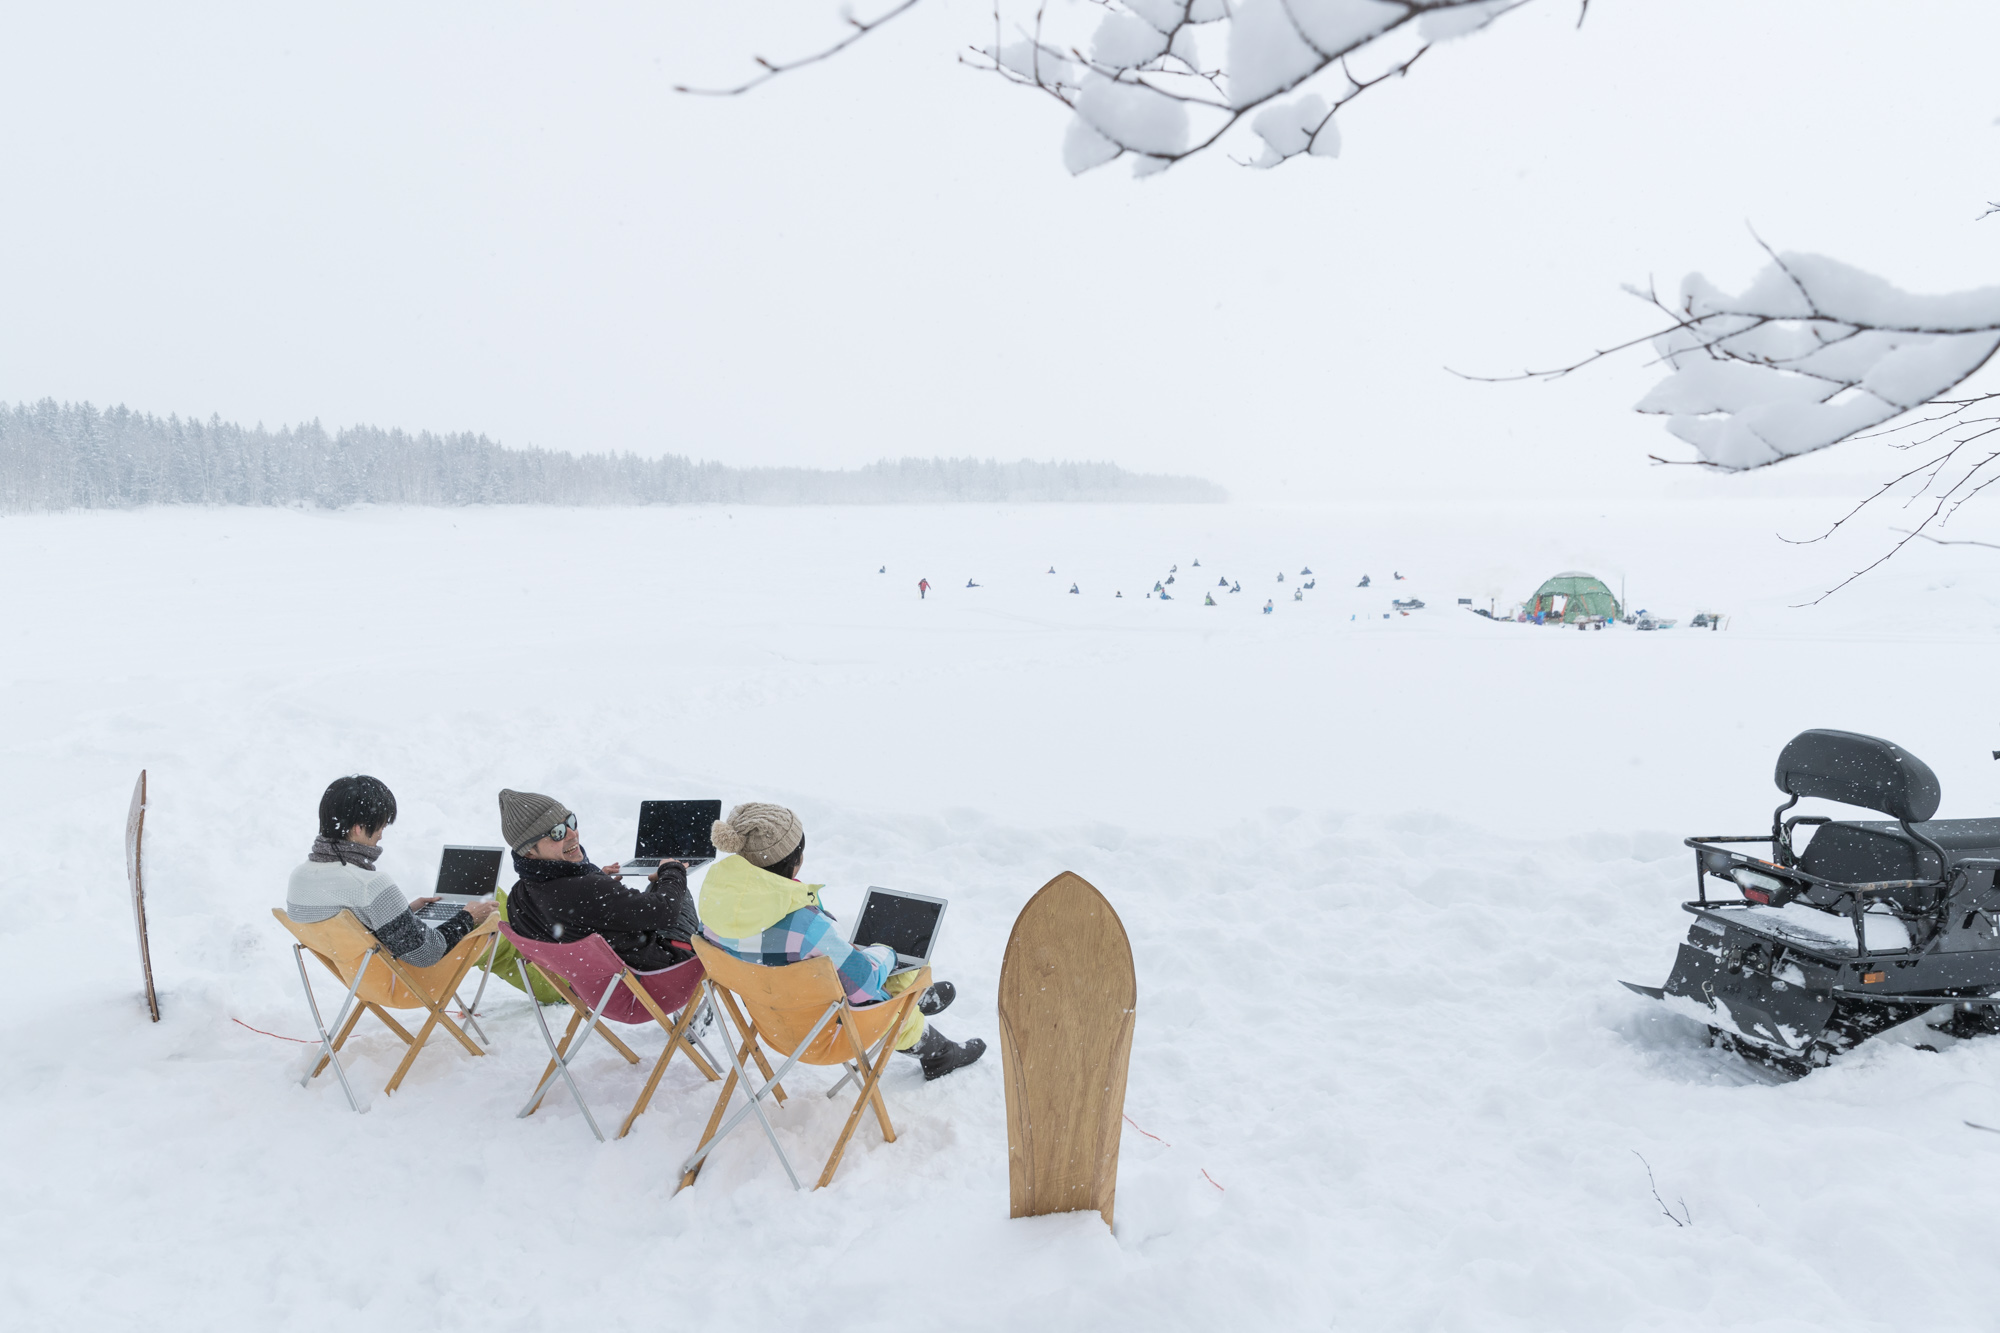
(1572, 596)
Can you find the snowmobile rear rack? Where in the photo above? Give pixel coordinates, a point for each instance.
(1787, 973)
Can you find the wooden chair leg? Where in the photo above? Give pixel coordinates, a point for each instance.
(871, 1093)
(340, 1038)
(410, 1056)
(391, 1023)
(577, 1007)
(676, 1037)
(756, 1052)
(714, 1120)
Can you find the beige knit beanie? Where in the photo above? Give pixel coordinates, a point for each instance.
(761, 834)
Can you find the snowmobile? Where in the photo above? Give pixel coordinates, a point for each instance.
(1873, 924)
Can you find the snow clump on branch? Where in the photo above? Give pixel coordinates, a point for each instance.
(1813, 352)
(1162, 80)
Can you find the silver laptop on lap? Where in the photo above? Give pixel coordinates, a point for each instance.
(906, 922)
(465, 875)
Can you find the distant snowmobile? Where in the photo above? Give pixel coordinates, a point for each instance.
(1873, 924)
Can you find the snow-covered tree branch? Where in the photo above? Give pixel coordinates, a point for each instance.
(1812, 353)
(1162, 80)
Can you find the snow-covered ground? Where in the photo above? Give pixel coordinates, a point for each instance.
(1380, 877)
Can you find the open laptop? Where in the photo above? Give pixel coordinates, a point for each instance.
(465, 875)
(672, 831)
(906, 922)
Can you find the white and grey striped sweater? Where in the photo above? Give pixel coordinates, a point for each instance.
(320, 889)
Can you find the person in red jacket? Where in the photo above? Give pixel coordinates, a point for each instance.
(923, 588)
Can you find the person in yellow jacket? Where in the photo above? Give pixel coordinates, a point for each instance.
(753, 907)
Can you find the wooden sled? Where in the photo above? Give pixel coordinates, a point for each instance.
(1067, 999)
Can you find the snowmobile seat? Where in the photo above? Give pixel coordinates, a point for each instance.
(1868, 851)
(1853, 769)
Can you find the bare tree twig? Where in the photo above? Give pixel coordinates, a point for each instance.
(1940, 541)
(772, 70)
(1686, 1219)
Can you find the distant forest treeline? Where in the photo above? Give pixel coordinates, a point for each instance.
(72, 456)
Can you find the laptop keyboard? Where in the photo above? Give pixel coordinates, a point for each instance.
(438, 912)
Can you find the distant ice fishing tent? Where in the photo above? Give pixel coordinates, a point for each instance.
(1573, 596)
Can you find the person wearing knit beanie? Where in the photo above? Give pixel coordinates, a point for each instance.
(761, 834)
(561, 898)
(754, 908)
(527, 816)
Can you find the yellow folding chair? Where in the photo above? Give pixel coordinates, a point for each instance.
(801, 1012)
(377, 982)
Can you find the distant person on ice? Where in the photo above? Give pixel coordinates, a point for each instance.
(1267, 606)
(1363, 583)
(1072, 588)
(561, 898)
(970, 584)
(340, 872)
(923, 589)
(754, 908)
(1208, 599)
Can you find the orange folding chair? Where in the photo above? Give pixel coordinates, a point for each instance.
(377, 982)
(800, 1011)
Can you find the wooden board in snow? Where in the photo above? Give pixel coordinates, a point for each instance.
(1067, 999)
(135, 872)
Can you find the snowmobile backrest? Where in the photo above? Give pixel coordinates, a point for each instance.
(1853, 769)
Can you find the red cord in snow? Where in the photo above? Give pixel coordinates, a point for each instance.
(260, 1032)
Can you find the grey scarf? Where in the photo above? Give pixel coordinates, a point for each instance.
(355, 854)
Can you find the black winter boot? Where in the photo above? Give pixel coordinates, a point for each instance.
(936, 999)
(939, 1054)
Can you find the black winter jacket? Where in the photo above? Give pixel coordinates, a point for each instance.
(562, 902)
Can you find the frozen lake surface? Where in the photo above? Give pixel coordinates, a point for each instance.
(1381, 878)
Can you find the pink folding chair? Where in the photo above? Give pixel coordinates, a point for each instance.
(590, 967)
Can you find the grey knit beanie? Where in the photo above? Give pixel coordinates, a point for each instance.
(762, 834)
(526, 817)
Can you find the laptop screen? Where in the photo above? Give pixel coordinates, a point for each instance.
(470, 872)
(677, 830)
(908, 925)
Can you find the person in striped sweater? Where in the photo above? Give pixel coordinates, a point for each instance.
(340, 873)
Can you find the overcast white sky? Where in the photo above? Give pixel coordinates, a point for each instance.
(500, 218)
